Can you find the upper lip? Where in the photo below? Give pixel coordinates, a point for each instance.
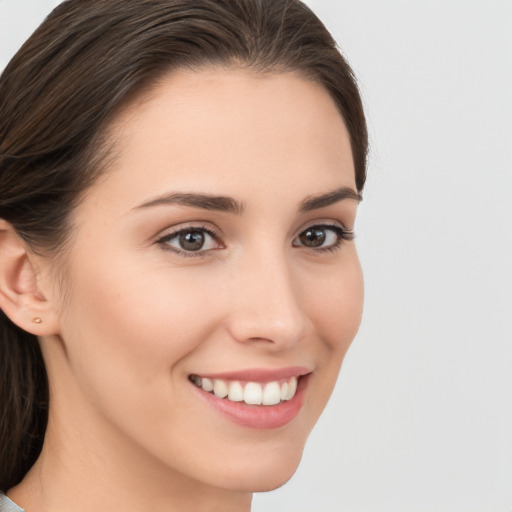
(259, 374)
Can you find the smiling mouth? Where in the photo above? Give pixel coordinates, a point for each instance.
(252, 393)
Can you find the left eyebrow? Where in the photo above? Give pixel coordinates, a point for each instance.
(323, 200)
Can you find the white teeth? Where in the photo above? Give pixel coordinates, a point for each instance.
(220, 388)
(253, 393)
(236, 392)
(271, 394)
(292, 387)
(207, 384)
(284, 391)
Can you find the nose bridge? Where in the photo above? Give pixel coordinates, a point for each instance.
(267, 300)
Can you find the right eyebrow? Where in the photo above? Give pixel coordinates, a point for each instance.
(203, 201)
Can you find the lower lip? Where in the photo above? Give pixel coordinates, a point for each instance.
(261, 417)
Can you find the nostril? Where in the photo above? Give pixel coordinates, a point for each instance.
(262, 340)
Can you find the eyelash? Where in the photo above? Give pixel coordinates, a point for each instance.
(342, 234)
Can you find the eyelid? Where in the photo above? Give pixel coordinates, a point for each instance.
(327, 223)
(184, 226)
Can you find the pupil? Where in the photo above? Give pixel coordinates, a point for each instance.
(192, 240)
(313, 237)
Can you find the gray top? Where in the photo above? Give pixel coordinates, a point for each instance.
(6, 505)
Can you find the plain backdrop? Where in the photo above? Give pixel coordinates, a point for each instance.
(421, 419)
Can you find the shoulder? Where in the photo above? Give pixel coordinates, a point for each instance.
(6, 505)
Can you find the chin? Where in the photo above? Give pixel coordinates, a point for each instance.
(266, 473)
(273, 481)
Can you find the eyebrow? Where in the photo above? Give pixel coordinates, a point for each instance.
(323, 200)
(203, 201)
(230, 205)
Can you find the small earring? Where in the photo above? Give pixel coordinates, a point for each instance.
(36, 320)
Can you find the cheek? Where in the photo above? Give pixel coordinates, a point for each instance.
(125, 330)
(336, 306)
(336, 310)
(127, 335)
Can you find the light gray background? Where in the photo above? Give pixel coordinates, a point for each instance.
(421, 419)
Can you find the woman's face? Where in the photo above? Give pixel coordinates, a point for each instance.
(215, 251)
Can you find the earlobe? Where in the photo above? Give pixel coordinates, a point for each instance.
(22, 298)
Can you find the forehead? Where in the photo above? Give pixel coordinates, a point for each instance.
(219, 128)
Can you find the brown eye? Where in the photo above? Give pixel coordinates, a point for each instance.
(191, 240)
(313, 237)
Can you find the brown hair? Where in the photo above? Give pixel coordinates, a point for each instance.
(59, 93)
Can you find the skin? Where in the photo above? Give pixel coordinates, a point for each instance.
(127, 430)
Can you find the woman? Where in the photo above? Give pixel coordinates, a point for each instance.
(178, 187)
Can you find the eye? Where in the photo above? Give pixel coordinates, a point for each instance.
(190, 240)
(323, 237)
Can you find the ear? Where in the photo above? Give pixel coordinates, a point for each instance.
(24, 297)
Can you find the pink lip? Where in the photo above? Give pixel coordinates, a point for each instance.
(259, 417)
(259, 374)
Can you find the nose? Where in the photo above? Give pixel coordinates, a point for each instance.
(266, 304)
